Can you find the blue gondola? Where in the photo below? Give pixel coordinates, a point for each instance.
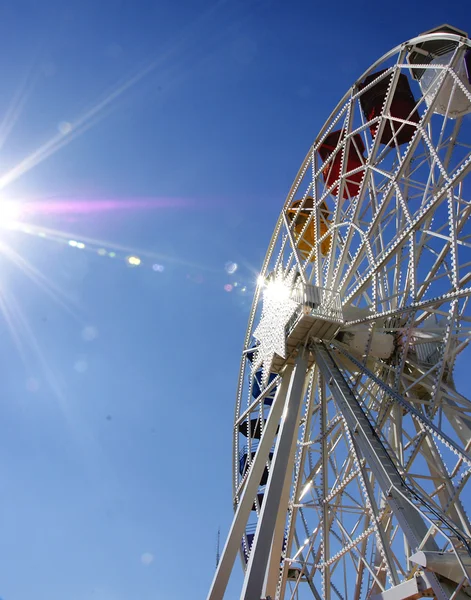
(257, 384)
(260, 501)
(243, 463)
(255, 428)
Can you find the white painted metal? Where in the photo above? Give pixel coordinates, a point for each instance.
(413, 588)
(262, 543)
(382, 460)
(248, 494)
(443, 563)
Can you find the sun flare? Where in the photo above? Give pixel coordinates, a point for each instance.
(10, 212)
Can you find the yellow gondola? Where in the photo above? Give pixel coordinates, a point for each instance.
(306, 242)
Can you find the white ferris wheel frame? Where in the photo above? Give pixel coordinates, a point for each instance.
(316, 366)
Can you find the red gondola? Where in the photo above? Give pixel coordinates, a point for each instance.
(332, 166)
(402, 107)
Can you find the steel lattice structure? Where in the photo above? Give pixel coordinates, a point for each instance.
(352, 445)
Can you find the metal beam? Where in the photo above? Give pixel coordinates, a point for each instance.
(239, 523)
(444, 563)
(395, 490)
(410, 589)
(259, 555)
(273, 569)
(373, 450)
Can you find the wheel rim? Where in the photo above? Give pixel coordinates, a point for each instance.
(393, 242)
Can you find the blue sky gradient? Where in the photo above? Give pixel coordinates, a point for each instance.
(170, 132)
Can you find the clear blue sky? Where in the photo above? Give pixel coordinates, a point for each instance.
(175, 130)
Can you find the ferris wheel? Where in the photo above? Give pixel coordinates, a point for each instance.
(352, 443)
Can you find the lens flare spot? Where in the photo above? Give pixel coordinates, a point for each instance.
(102, 252)
(81, 365)
(89, 333)
(64, 127)
(228, 287)
(231, 267)
(32, 384)
(158, 268)
(80, 245)
(147, 558)
(73, 243)
(133, 261)
(112, 254)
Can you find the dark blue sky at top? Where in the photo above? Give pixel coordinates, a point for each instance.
(115, 452)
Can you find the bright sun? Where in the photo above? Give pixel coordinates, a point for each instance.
(10, 212)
